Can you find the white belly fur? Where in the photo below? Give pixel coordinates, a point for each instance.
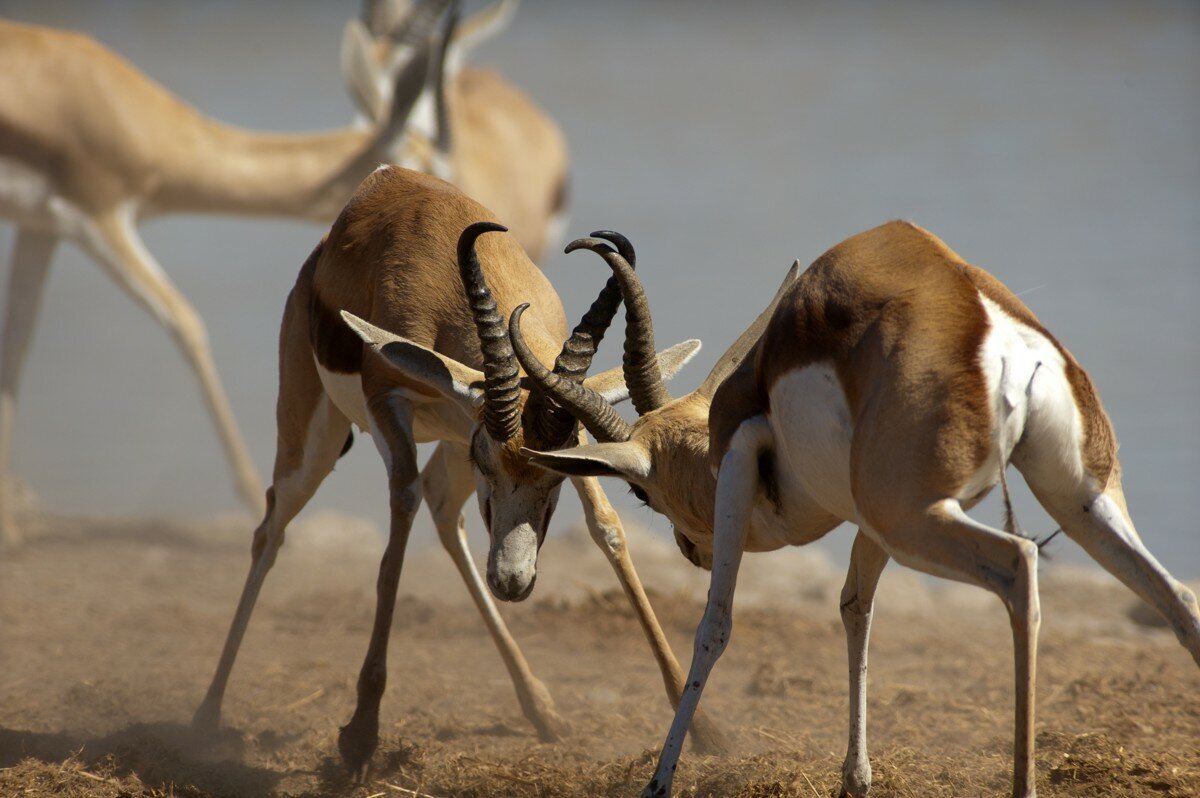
(811, 423)
(347, 394)
(31, 200)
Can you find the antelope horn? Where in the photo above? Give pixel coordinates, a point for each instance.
(592, 410)
(501, 377)
(621, 243)
(414, 27)
(380, 15)
(443, 139)
(552, 424)
(642, 375)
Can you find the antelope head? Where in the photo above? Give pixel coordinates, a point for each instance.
(510, 416)
(664, 455)
(395, 70)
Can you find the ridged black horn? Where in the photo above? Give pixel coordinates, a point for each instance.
(592, 410)
(501, 376)
(620, 242)
(642, 375)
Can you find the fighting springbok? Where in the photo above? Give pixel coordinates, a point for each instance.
(90, 146)
(888, 385)
(434, 364)
(502, 149)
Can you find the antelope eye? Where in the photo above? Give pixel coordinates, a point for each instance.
(639, 494)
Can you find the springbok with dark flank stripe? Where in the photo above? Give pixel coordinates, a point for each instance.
(90, 147)
(411, 358)
(888, 385)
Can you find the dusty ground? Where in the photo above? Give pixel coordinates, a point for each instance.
(109, 630)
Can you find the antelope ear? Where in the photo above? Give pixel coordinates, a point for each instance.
(477, 29)
(363, 77)
(626, 460)
(461, 384)
(611, 384)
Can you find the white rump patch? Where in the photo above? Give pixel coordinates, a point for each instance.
(1032, 401)
(813, 431)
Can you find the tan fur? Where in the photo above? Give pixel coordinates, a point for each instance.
(390, 259)
(105, 134)
(899, 322)
(509, 155)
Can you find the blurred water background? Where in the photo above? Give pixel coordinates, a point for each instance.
(1055, 145)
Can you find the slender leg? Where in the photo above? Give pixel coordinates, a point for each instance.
(447, 482)
(867, 561)
(736, 486)
(311, 434)
(116, 244)
(26, 283)
(607, 532)
(945, 542)
(391, 428)
(1093, 512)
(1102, 526)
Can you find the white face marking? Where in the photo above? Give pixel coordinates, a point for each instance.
(516, 514)
(812, 426)
(1031, 400)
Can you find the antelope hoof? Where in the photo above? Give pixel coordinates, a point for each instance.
(707, 738)
(657, 788)
(539, 709)
(856, 782)
(550, 726)
(357, 741)
(207, 719)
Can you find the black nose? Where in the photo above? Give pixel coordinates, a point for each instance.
(510, 588)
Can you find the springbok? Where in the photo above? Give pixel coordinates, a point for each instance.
(90, 146)
(502, 149)
(434, 364)
(888, 385)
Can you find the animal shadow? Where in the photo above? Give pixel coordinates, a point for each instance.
(162, 755)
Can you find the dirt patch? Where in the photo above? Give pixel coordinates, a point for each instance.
(109, 630)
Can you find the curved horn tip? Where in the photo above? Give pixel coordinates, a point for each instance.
(622, 244)
(594, 244)
(466, 239)
(476, 229)
(514, 318)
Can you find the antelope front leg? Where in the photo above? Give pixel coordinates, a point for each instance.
(736, 485)
(606, 530)
(26, 284)
(391, 428)
(867, 561)
(447, 483)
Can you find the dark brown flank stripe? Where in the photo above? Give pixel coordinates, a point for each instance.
(336, 346)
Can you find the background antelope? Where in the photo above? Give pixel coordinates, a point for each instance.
(498, 146)
(90, 147)
(439, 368)
(888, 385)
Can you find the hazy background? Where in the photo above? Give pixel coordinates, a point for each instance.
(1058, 148)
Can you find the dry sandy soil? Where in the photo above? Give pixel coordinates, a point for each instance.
(109, 630)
